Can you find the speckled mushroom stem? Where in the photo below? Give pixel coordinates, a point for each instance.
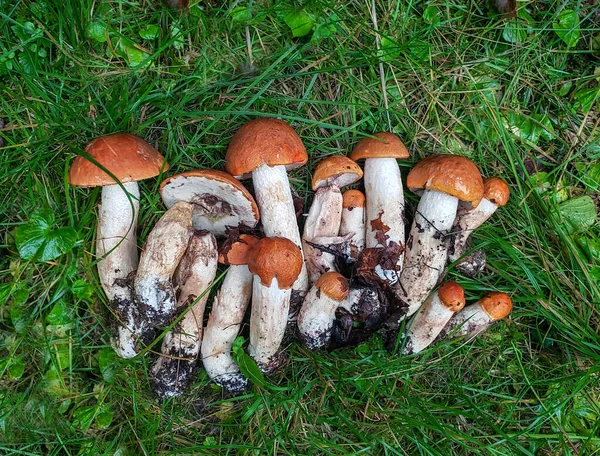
(172, 372)
(426, 248)
(228, 309)
(466, 221)
(353, 224)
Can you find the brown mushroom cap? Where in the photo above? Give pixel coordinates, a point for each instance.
(452, 296)
(496, 191)
(497, 305)
(264, 141)
(339, 168)
(236, 252)
(353, 198)
(125, 155)
(334, 285)
(387, 146)
(276, 257)
(452, 174)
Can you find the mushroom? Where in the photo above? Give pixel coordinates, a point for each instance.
(228, 309)
(165, 246)
(353, 222)
(495, 194)
(173, 370)
(385, 197)
(476, 318)
(325, 215)
(316, 317)
(265, 149)
(276, 263)
(433, 315)
(220, 201)
(129, 159)
(443, 180)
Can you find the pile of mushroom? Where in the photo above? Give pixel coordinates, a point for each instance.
(353, 272)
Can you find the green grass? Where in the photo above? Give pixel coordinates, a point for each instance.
(454, 83)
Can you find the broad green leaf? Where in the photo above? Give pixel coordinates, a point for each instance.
(107, 364)
(389, 49)
(177, 36)
(300, 22)
(82, 289)
(150, 32)
(59, 315)
(585, 99)
(64, 406)
(578, 214)
(431, 15)
(595, 273)
(96, 31)
(239, 14)
(589, 175)
(104, 418)
(590, 247)
(36, 240)
(567, 27)
(250, 369)
(134, 56)
(83, 416)
(62, 354)
(18, 317)
(16, 369)
(515, 31)
(544, 126)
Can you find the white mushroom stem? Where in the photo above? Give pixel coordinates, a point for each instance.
(426, 248)
(164, 248)
(467, 220)
(352, 301)
(274, 199)
(223, 326)
(427, 324)
(353, 224)
(323, 220)
(268, 320)
(470, 321)
(385, 206)
(172, 372)
(316, 318)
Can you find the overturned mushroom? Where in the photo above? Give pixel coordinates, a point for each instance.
(276, 263)
(129, 159)
(353, 222)
(495, 194)
(166, 244)
(173, 370)
(385, 197)
(316, 317)
(265, 149)
(228, 309)
(476, 318)
(433, 315)
(443, 180)
(322, 225)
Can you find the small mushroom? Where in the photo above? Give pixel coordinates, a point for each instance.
(443, 180)
(228, 309)
(476, 318)
(325, 215)
(316, 317)
(165, 246)
(353, 222)
(129, 159)
(433, 315)
(385, 197)
(173, 370)
(495, 194)
(276, 263)
(220, 201)
(266, 149)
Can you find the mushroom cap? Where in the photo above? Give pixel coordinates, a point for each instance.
(497, 305)
(220, 201)
(496, 191)
(452, 174)
(276, 257)
(387, 146)
(337, 170)
(236, 252)
(334, 285)
(452, 296)
(264, 141)
(128, 157)
(353, 198)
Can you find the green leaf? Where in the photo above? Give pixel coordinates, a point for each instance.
(134, 56)
(177, 36)
(82, 289)
(431, 15)
(18, 317)
(585, 99)
(104, 418)
(590, 247)
(239, 14)
(300, 22)
(64, 406)
(515, 31)
(390, 49)
(59, 315)
(107, 364)
(83, 416)
(250, 369)
(16, 369)
(420, 49)
(578, 214)
(36, 240)
(150, 32)
(96, 31)
(567, 27)
(544, 126)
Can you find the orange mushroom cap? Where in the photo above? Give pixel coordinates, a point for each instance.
(333, 284)
(452, 296)
(338, 167)
(125, 155)
(388, 145)
(497, 305)
(353, 198)
(276, 257)
(236, 252)
(264, 141)
(496, 191)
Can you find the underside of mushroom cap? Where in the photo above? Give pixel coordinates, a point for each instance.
(236, 252)
(338, 170)
(264, 141)
(497, 305)
(276, 257)
(384, 145)
(496, 190)
(125, 155)
(451, 174)
(220, 201)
